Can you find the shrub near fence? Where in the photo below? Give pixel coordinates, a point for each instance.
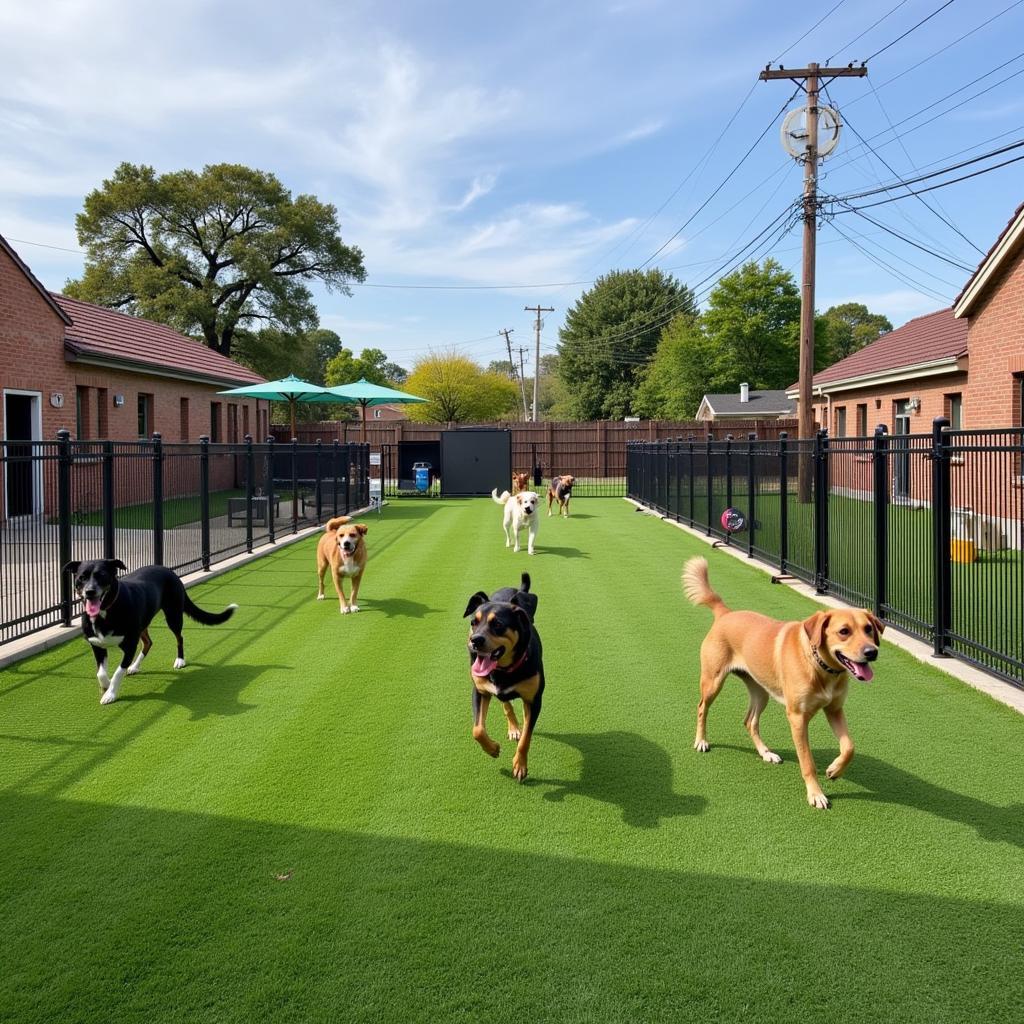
(924, 529)
(186, 506)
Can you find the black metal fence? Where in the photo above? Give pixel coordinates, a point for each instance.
(186, 506)
(925, 529)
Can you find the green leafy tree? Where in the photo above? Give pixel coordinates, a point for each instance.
(371, 364)
(459, 391)
(753, 324)
(610, 333)
(851, 326)
(680, 374)
(212, 252)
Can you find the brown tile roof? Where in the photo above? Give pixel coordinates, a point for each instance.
(988, 256)
(129, 341)
(921, 340)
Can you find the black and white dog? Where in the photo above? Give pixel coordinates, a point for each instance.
(118, 611)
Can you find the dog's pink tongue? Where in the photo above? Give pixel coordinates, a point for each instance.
(863, 672)
(92, 607)
(484, 665)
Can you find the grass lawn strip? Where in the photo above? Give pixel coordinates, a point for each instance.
(298, 827)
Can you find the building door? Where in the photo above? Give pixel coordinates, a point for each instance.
(901, 456)
(22, 478)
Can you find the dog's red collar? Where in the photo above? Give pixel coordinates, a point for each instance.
(516, 664)
(821, 664)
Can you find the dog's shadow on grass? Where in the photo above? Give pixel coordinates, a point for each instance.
(562, 552)
(885, 783)
(400, 608)
(627, 770)
(206, 690)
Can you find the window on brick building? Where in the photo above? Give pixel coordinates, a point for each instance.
(862, 420)
(82, 413)
(955, 411)
(102, 427)
(245, 421)
(183, 418)
(145, 415)
(232, 423)
(215, 425)
(841, 421)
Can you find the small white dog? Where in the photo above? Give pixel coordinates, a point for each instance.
(520, 512)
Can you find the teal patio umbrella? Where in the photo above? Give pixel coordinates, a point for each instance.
(290, 389)
(365, 393)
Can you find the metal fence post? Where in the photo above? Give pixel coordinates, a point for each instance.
(334, 474)
(783, 500)
(710, 480)
(348, 479)
(821, 545)
(271, 518)
(108, 500)
(942, 576)
(728, 480)
(204, 500)
(880, 458)
(689, 518)
(319, 481)
(250, 473)
(158, 499)
(751, 495)
(64, 521)
(295, 484)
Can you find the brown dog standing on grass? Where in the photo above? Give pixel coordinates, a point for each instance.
(342, 547)
(805, 666)
(520, 482)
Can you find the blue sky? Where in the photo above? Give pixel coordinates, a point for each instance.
(523, 145)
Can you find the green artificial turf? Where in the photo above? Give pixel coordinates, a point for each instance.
(298, 826)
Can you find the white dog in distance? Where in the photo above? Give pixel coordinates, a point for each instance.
(521, 511)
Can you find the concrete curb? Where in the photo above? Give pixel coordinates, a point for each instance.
(973, 677)
(44, 640)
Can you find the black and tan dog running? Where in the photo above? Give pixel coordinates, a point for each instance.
(118, 610)
(505, 662)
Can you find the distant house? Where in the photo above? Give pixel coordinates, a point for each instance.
(101, 374)
(387, 412)
(746, 405)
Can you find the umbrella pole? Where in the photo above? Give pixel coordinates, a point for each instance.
(363, 404)
(291, 405)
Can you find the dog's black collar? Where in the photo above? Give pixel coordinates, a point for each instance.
(821, 664)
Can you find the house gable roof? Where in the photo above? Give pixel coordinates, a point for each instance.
(107, 337)
(762, 403)
(33, 280)
(1009, 243)
(933, 340)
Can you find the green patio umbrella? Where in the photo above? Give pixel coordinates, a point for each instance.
(365, 393)
(290, 389)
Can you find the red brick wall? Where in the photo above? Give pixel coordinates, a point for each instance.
(32, 359)
(995, 336)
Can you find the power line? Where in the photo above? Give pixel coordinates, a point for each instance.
(903, 259)
(689, 220)
(913, 28)
(861, 35)
(810, 30)
(941, 184)
(916, 245)
(945, 220)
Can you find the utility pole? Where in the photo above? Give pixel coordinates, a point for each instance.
(536, 366)
(512, 366)
(809, 78)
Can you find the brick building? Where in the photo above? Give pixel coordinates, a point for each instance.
(101, 374)
(965, 363)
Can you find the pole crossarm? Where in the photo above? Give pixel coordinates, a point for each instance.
(799, 74)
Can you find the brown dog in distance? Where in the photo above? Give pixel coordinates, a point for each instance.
(805, 666)
(561, 491)
(520, 482)
(342, 548)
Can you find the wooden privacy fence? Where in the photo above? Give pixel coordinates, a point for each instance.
(593, 452)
